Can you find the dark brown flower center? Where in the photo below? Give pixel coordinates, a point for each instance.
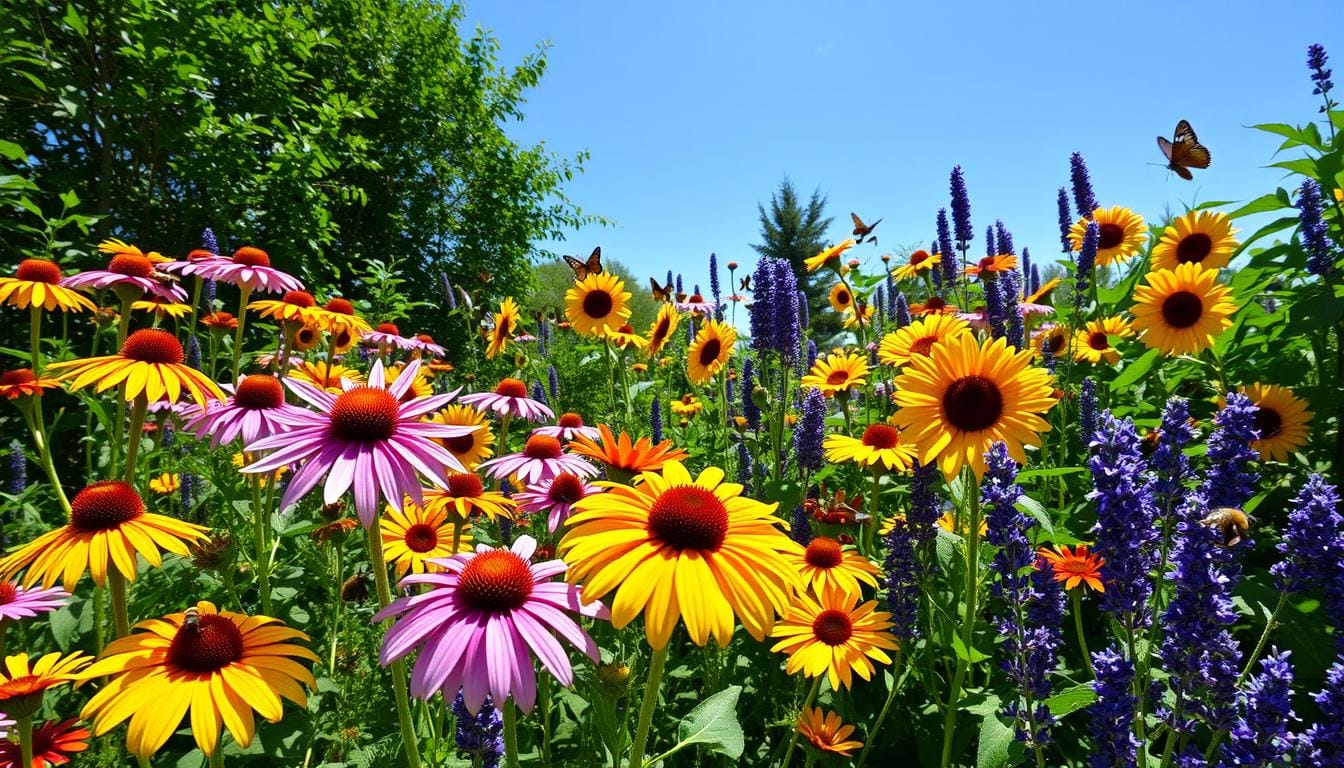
(1099, 341)
(972, 403)
(689, 517)
(259, 392)
(570, 420)
(597, 304)
(881, 436)
(209, 644)
(1182, 309)
(1268, 421)
(105, 505)
(364, 415)
(1111, 235)
(660, 330)
(461, 444)
(465, 485)
(38, 271)
(566, 488)
(1193, 248)
(710, 351)
(823, 552)
(511, 388)
(421, 538)
(935, 304)
(542, 447)
(495, 581)
(153, 346)
(1055, 341)
(251, 257)
(842, 297)
(832, 627)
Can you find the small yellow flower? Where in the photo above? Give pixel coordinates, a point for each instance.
(165, 483)
(829, 257)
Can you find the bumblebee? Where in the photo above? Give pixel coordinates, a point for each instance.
(1231, 522)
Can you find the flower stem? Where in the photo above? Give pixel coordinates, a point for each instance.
(882, 716)
(793, 739)
(379, 564)
(646, 708)
(546, 720)
(1077, 598)
(38, 428)
(1250, 665)
(510, 733)
(968, 626)
(336, 604)
(260, 524)
(238, 335)
(119, 421)
(26, 739)
(116, 584)
(138, 410)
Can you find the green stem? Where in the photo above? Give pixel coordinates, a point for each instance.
(336, 604)
(260, 526)
(195, 305)
(116, 584)
(1141, 716)
(1076, 596)
(4, 630)
(238, 335)
(37, 426)
(546, 720)
(611, 374)
(26, 739)
(510, 733)
(968, 625)
(793, 739)
(886, 707)
(217, 755)
(379, 565)
(99, 617)
(1250, 666)
(646, 708)
(35, 338)
(133, 437)
(119, 421)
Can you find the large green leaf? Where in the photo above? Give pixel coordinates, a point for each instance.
(1071, 699)
(999, 747)
(713, 725)
(1135, 371)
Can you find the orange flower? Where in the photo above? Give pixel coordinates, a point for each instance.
(22, 382)
(1075, 567)
(1000, 263)
(623, 457)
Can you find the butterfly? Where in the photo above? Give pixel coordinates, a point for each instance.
(1184, 151)
(485, 276)
(660, 293)
(862, 230)
(591, 267)
(746, 284)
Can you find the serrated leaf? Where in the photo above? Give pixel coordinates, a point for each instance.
(713, 725)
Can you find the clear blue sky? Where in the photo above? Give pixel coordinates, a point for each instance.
(694, 115)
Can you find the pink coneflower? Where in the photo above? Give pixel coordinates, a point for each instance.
(1026, 309)
(131, 271)
(524, 338)
(181, 411)
(425, 343)
(510, 398)
(269, 359)
(17, 602)
(568, 427)
(256, 408)
(696, 303)
(388, 334)
(367, 437)
(482, 622)
(249, 268)
(6, 723)
(541, 459)
(555, 496)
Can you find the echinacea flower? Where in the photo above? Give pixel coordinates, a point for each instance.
(482, 623)
(882, 446)
(424, 343)
(1120, 234)
(367, 438)
(256, 408)
(920, 261)
(388, 336)
(474, 447)
(827, 732)
(598, 303)
(214, 666)
(509, 398)
(826, 565)
(464, 497)
(664, 325)
(696, 304)
(569, 426)
(687, 405)
(967, 395)
(414, 535)
(682, 549)
(934, 305)
(37, 283)
(542, 458)
(151, 363)
(130, 272)
(249, 268)
(829, 257)
(1075, 567)
(1180, 311)
(108, 526)
(297, 307)
(623, 457)
(837, 374)
(831, 634)
(556, 497)
(22, 382)
(337, 317)
(19, 602)
(710, 351)
(1096, 342)
(53, 743)
(1205, 238)
(220, 321)
(24, 681)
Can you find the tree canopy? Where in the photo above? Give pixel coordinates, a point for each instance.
(794, 231)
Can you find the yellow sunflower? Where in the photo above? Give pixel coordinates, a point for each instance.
(831, 634)
(919, 337)
(415, 534)
(164, 484)
(663, 326)
(920, 261)
(829, 257)
(505, 325)
(214, 666)
(23, 683)
(1120, 234)
(827, 732)
(967, 395)
(1199, 237)
(108, 526)
(37, 283)
(1096, 342)
(466, 498)
(1052, 338)
(881, 444)
(837, 373)
(1181, 311)
(841, 299)
(597, 303)
(151, 362)
(934, 305)
(859, 314)
(469, 449)
(827, 565)
(710, 351)
(1282, 418)
(625, 336)
(1040, 295)
(677, 548)
(423, 386)
(949, 522)
(325, 376)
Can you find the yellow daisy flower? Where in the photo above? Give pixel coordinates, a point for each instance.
(1205, 238)
(1180, 311)
(837, 373)
(1120, 234)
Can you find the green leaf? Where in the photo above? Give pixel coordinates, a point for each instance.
(1135, 370)
(1036, 474)
(1262, 204)
(999, 747)
(713, 725)
(75, 21)
(1071, 699)
(1035, 510)
(974, 657)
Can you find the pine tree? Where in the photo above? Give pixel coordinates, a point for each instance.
(793, 230)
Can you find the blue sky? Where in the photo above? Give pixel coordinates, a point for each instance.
(693, 117)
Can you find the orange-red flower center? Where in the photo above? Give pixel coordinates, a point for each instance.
(923, 346)
(919, 257)
(832, 627)
(208, 644)
(987, 263)
(259, 392)
(697, 299)
(823, 552)
(542, 447)
(495, 581)
(340, 306)
(364, 415)
(38, 271)
(465, 486)
(566, 488)
(131, 265)
(105, 505)
(200, 254)
(299, 299)
(570, 420)
(421, 538)
(17, 376)
(689, 517)
(1182, 309)
(251, 257)
(152, 345)
(837, 377)
(935, 304)
(511, 388)
(881, 436)
(425, 338)
(972, 403)
(597, 304)
(389, 328)
(8, 592)
(1194, 248)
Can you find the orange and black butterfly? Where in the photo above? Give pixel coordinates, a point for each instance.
(660, 293)
(591, 267)
(1184, 151)
(862, 230)
(745, 284)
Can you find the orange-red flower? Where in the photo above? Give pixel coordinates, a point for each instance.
(1075, 567)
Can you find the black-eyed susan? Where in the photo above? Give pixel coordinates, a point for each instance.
(108, 526)
(661, 330)
(325, 376)
(24, 681)
(54, 742)
(710, 351)
(1075, 567)
(1050, 338)
(967, 395)
(165, 483)
(469, 449)
(687, 405)
(827, 732)
(1180, 311)
(1096, 342)
(829, 257)
(920, 261)
(504, 327)
(214, 666)
(1282, 419)
(1205, 238)
(152, 364)
(919, 337)
(625, 337)
(465, 497)
(837, 373)
(305, 338)
(598, 303)
(831, 634)
(841, 298)
(1120, 234)
(881, 447)
(36, 283)
(161, 307)
(828, 565)
(991, 266)
(682, 549)
(934, 305)
(416, 534)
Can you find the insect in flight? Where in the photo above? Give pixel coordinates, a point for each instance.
(583, 269)
(745, 284)
(862, 230)
(1231, 522)
(660, 293)
(1183, 151)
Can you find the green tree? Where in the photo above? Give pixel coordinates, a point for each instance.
(794, 231)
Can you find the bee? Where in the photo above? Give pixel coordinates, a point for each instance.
(163, 278)
(1231, 522)
(192, 620)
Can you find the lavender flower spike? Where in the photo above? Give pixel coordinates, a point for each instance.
(1065, 221)
(1323, 743)
(1124, 532)
(961, 208)
(1087, 260)
(1083, 198)
(1315, 237)
(949, 260)
(810, 432)
(1229, 481)
(1114, 744)
(1313, 544)
(1261, 735)
(1003, 238)
(1320, 76)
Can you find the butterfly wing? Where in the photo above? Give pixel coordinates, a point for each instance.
(860, 228)
(1164, 145)
(1184, 132)
(1185, 152)
(595, 261)
(746, 283)
(1182, 171)
(659, 293)
(580, 269)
